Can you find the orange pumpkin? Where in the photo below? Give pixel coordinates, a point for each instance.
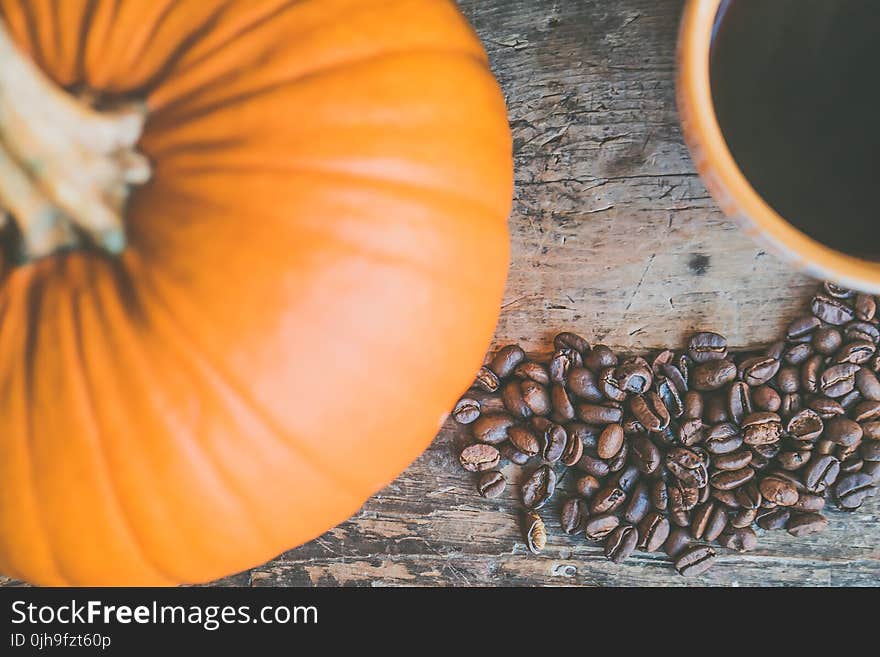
(312, 276)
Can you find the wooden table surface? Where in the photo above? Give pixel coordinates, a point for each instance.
(613, 235)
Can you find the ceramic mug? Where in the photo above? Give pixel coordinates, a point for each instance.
(723, 177)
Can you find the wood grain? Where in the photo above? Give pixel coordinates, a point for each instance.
(613, 235)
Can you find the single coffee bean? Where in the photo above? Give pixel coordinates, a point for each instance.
(512, 395)
(843, 431)
(717, 523)
(869, 450)
(765, 398)
(715, 409)
(562, 361)
(693, 405)
(695, 560)
(610, 441)
(607, 500)
(811, 373)
(726, 497)
(790, 477)
(824, 446)
(479, 457)
(749, 496)
(563, 409)
(769, 451)
(788, 379)
(856, 352)
(567, 340)
(677, 375)
(743, 518)
(868, 384)
(609, 386)
(826, 407)
(573, 515)
(598, 527)
(836, 291)
(650, 411)
(491, 484)
(803, 524)
(553, 439)
(598, 414)
(723, 438)
(669, 395)
(809, 503)
(731, 479)
(512, 454)
(758, 370)
(740, 539)
(638, 505)
(524, 440)
(865, 307)
(531, 371)
(678, 541)
(827, 340)
(535, 532)
(681, 496)
(632, 426)
(778, 490)
(770, 519)
(466, 410)
(866, 411)
(687, 466)
(492, 429)
(713, 374)
(802, 326)
(859, 330)
(794, 459)
(792, 403)
(634, 375)
(653, 531)
(805, 425)
(871, 430)
(593, 466)
(584, 384)
(487, 380)
(645, 454)
(707, 346)
(621, 543)
(838, 380)
(587, 434)
(599, 358)
(535, 397)
(616, 463)
(506, 359)
(700, 519)
(659, 495)
(732, 460)
(587, 485)
(680, 518)
(690, 432)
(538, 487)
(853, 489)
(574, 450)
(831, 310)
(739, 401)
(761, 428)
(775, 350)
(799, 354)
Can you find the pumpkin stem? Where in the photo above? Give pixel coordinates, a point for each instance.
(66, 169)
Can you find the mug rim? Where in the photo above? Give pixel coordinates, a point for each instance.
(723, 177)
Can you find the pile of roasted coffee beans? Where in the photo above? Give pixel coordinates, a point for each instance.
(687, 448)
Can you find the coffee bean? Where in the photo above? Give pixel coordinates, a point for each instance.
(707, 346)
(872, 469)
(715, 409)
(826, 407)
(802, 326)
(853, 489)
(870, 450)
(838, 380)
(645, 454)
(506, 359)
(866, 411)
(739, 401)
(749, 496)
(733, 460)
(681, 496)
(809, 503)
(609, 386)
(610, 441)
(695, 560)
(827, 340)
(726, 497)
(531, 371)
(761, 428)
(574, 450)
(487, 380)
(524, 440)
(778, 490)
(811, 373)
(553, 439)
(607, 500)
(868, 384)
(843, 431)
(803, 524)
(859, 330)
(511, 393)
(680, 518)
(690, 432)
(659, 495)
(731, 479)
(491, 484)
(598, 414)
(831, 310)
(871, 430)
(693, 405)
(653, 531)
(537, 400)
(794, 459)
(587, 434)
(593, 466)
(700, 519)
(792, 403)
(805, 425)
(758, 370)
(479, 457)
(687, 466)
(865, 307)
(717, 523)
(836, 291)
(512, 454)
(492, 429)
(599, 358)
(563, 360)
(740, 539)
(723, 438)
(621, 543)
(678, 541)
(765, 398)
(598, 527)
(567, 340)
(799, 354)
(619, 460)
(563, 409)
(466, 410)
(856, 352)
(775, 350)
(743, 518)
(713, 374)
(769, 451)
(650, 411)
(535, 532)
(573, 515)
(771, 519)
(638, 505)
(788, 379)
(634, 375)
(584, 384)
(538, 487)
(587, 485)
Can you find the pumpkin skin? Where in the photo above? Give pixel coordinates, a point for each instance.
(313, 276)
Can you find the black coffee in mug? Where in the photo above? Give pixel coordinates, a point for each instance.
(796, 89)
